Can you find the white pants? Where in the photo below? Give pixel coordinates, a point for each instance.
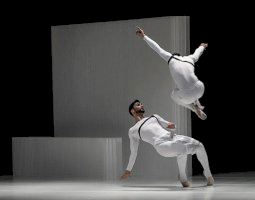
(187, 97)
(180, 146)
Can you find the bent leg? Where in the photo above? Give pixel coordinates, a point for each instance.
(194, 105)
(179, 100)
(203, 159)
(182, 162)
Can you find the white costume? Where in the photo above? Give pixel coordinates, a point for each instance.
(189, 88)
(167, 144)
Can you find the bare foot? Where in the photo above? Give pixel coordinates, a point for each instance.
(199, 112)
(210, 181)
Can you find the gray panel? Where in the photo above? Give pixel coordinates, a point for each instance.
(99, 68)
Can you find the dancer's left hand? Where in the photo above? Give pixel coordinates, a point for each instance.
(171, 125)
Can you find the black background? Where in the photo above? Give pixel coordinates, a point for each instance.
(226, 68)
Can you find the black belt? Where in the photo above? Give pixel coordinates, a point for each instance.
(172, 56)
(143, 124)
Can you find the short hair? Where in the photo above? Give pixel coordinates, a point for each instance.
(131, 106)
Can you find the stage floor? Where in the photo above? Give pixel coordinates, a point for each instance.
(234, 186)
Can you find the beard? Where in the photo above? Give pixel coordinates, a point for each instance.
(141, 111)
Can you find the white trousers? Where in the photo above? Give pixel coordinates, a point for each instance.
(180, 146)
(187, 97)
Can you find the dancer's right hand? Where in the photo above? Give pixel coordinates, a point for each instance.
(125, 175)
(140, 32)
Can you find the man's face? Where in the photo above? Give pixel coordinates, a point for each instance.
(138, 108)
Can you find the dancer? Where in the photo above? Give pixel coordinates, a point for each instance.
(153, 130)
(189, 87)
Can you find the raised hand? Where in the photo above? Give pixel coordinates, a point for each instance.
(205, 45)
(140, 32)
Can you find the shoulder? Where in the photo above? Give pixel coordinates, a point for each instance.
(159, 118)
(156, 115)
(188, 58)
(131, 130)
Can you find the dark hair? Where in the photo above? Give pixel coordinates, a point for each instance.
(176, 54)
(131, 106)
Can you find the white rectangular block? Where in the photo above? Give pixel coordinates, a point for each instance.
(65, 157)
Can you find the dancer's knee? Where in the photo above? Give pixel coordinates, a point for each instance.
(200, 147)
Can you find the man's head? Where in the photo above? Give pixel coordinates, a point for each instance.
(136, 107)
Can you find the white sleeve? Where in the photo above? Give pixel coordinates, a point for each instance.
(164, 54)
(134, 143)
(162, 121)
(198, 52)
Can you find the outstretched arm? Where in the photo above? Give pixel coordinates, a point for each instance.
(198, 52)
(164, 54)
(134, 143)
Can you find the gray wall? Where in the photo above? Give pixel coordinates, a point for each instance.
(99, 68)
